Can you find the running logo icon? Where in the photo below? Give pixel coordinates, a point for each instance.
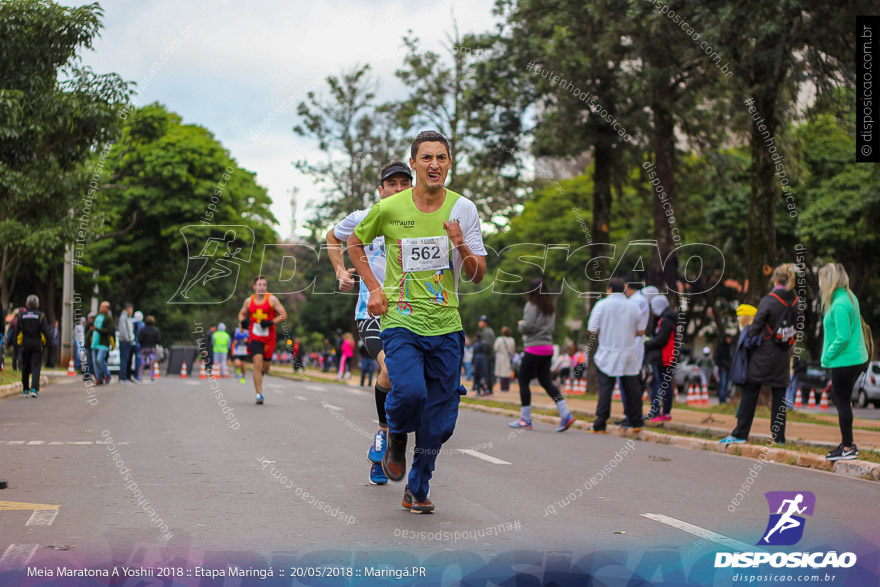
(786, 525)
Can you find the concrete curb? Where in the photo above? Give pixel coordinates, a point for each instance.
(859, 469)
(11, 389)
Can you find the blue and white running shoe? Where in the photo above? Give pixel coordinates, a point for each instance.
(377, 449)
(377, 475)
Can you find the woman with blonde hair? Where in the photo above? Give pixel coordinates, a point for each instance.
(843, 350)
(775, 321)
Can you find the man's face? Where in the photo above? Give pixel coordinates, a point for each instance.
(482, 325)
(129, 310)
(104, 308)
(395, 184)
(260, 286)
(432, 164)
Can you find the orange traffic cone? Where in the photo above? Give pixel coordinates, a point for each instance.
(581, 386)
(203, 374)
(616, 391)
(704, 398)
(798, 399)
(183, 370)
(569, 388)
(227, 373)
(691, 399)
(645, 395)
(812, 398)
(155, 369)
(823, 405)
(70, 370)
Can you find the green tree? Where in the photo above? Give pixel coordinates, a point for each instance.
(443, 97)
(161, 176)
(54, 114)
(775, 48)
(357, 135)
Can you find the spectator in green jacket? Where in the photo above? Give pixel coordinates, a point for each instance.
(843, 350)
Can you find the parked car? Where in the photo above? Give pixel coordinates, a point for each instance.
(815, 378)
(867, 387)
(688, 372)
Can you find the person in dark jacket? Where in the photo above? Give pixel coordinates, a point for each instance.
(768, 364)
(31, 334)
(723, 359)
(148, 339)
(660, 352)
(481, 367)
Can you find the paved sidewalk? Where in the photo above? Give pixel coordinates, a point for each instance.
(682, 418)
(721, 424)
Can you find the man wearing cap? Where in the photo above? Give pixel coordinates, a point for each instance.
(432, 235)
(393, 178)
(487, 336)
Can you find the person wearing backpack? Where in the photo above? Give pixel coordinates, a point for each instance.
(768, 364)
(844, 350)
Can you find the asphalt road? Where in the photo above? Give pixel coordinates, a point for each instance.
(210, 480)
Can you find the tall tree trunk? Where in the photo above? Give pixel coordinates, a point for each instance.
(761, 252)
(603, 154)
(664, 164)
(49, 306)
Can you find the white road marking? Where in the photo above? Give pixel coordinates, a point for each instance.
(18, 555)
(315, 387)
(305, 399)
(479, 455)
(703, 533)
(42, 518)
(333, 408)
(278, 391)
(55, 442)
(274, 386)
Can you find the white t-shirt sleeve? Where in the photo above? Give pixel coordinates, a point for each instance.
(345, 227)
(595, 317)
(469, 220)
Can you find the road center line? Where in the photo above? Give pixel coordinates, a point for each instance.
(18, 555)
(42, 518)
(305, 399)
(479, 455)
(703, 533)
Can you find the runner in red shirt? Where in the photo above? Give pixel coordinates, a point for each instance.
(263, 311)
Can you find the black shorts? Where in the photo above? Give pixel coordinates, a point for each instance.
(368, 330)
(258, 347)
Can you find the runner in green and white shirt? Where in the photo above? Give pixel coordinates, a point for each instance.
(431, 235)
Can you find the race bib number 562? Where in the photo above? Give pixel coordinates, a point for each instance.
(425, 254)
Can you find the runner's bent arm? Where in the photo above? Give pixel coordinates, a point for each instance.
(279, 310)
(377, 304)
(243, 313)
(474, 265)
(334, 251)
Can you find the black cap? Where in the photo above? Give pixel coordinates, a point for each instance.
(484, 318)
(394, 170)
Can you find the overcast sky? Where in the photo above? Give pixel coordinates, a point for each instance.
(228, 63)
